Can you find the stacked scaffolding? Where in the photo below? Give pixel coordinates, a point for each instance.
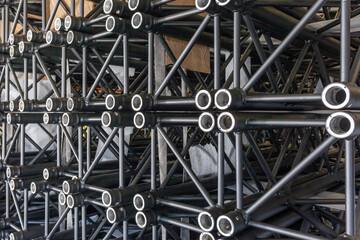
(101, 135)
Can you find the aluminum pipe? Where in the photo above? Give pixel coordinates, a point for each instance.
(148, 103)
(117, 119)
(341, 96)
(343, 125)
(80, 119)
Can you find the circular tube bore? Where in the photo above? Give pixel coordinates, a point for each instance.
(12, 184)
(139, 120)
(46, 118)
(106, 119)
(70, 201)
(136, 102)
(110, 23)
(49, 37)
(110, 102)
(207, 122)
(139, 202)
(33, 188)
(46, 174)
(336, 96)
(62, 199)
(141, 220)
(67, 22)
(65, 119)
(203, 100)
(107, 7)
(133, 4)
(222, 2)
(223, 99)
(340, 125)
(202, 4)
(136, 20)
(225, 226)
(29, 35)
(206, 236)
(70, 37)
(226, 122)
(21, 106)
(66, 187)
(49, 104)
(206, 221)
(111, 215)
(106, 198)
(58, 24)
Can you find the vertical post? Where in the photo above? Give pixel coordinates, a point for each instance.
(217, 85)
(160, 74)
(153, 130)
(121, 130)
(350, 187)
(345, 40)
(22, 140)
(239, 154)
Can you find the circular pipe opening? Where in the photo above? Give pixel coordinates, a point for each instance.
(66, 187)
(49, 37)
(139, 120)
(108, 5)
(111, 215)
(106, 119)
(136, 20)
(12, 106)
(106, 198)
(11, 39)
(139, 202)
(133, 4)
(137, 102)
(206, 236)
(8, 118)
(226, 122)
(340, 125)
(110, 23)
(141, 220)
(336, 96)
(70, 104)
(66, 119)
(203, 100)
(49, 104)
(29, 35)
(67, 22)
(206, 221)
(206, 122)
(33, 188)
(46, 174)
(57, 24)
(46, 118)
(21, 47)
(8, 172)
(222, 2)
(21, 106)
(225, 226)
(62, 199)
(70, 37)
(12, 51)
(12, 184)
(222, 99)
(202, 4)
(70, 201)
(110, 102)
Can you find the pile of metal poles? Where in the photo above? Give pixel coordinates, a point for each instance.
(98, 133)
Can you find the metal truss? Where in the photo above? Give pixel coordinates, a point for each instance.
(120, 124)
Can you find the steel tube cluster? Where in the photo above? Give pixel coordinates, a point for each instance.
(101, 140)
